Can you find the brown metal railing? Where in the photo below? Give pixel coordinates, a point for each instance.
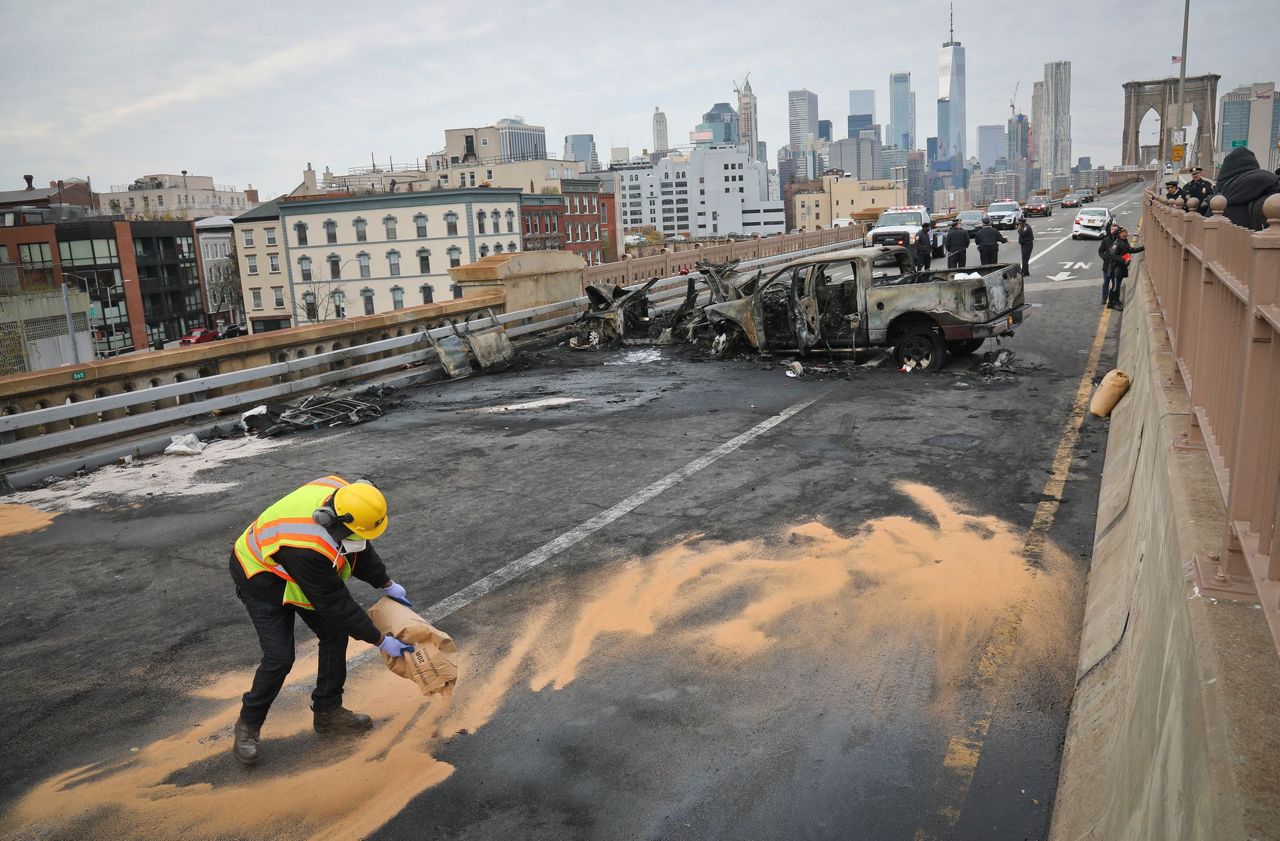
(1218, 287)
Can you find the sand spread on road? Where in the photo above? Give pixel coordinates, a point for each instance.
(944, 574)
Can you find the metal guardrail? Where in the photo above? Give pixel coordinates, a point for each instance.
(194, 398)
(1218, 288)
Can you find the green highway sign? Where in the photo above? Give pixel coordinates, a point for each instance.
(1236, 144)
(77, 375)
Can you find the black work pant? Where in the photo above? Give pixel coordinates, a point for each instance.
(955, 260)
(989, 256)
(274, 624)
(1026, 259)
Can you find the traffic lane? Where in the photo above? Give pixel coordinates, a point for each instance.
(648, 740)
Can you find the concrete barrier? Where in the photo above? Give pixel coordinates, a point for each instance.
(1175, 725)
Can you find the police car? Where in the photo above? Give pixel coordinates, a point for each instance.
(1005, 214)
(899, 226)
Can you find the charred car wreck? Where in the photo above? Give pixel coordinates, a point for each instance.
(833, 302)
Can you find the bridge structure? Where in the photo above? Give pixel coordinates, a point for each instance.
(1200, 95)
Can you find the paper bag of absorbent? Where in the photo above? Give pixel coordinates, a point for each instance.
(433, 663)
(1110, 390)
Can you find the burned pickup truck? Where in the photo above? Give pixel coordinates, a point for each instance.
(868, 297)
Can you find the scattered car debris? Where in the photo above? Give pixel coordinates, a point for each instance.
(318, 411)
(474, 348)
(998, 366)
(185, 445)
(795, 369)
(614, 316)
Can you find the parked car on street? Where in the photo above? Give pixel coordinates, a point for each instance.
(1072, 200)
(231, 331)
(1005, 214)
(1037, 206)
(199, 336)
(870, 297)
(1091, 222)
(970, 220)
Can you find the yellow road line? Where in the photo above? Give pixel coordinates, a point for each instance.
(964, 750)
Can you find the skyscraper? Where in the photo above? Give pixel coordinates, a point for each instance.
(902, 128)
(992, 145)
(824, 130)
(1018, 150)
(802, 113)
(1250, 116)
(748, 121)
(1055, 156)
(723, 122)
(863, 102)
(859, 123)
(951, 89)
(582, 147)
(659, 131)
(1037, 124)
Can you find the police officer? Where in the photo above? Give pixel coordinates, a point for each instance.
(1026, 242)
(1200, 190)
(988, 240)
(922, 248)
(956, 244)
(1172, 192)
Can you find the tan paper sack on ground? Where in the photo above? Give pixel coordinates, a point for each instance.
(433, 664)
(1110, 390)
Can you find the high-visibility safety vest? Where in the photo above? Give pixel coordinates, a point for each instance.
(288, 522)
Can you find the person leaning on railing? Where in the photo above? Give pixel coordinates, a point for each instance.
(1245, 185)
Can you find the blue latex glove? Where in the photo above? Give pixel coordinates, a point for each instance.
(395, 591)
(392, 647)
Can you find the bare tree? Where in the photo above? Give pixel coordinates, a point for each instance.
(222, 283)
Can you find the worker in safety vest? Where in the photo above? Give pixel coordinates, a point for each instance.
(294, 560)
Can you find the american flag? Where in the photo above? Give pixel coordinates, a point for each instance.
(1177, 59)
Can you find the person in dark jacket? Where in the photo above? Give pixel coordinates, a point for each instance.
(1172, 192)
(988, 240)
(1200, 190)
(923, 248)
(1121, 254)
(1245, 186)
(293, 562)
(1026, 242)
(956, 244)
(1110, 283)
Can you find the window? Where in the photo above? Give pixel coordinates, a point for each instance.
(339, 304)
(511, 221)
(367, 295)
(457, 290)
(528, 224)
(274, 261)
(300, 233)
(497, 219)
(424, 261)
(420, 221)
(277, 293)
(497, 249)
(363, 259)
(335, 267)
(330, 231)
(455, 257)
(480, 222)
(451, 224)
(555, 224)
(397, 298)
(389, 222)
(248, 238)
(511, 246)
(604, 213)
(484, 250)
(35, 255)
(362, 230)
(428, 293)
(595, 229)
(256, 296)
(304, 267)
(252, 262)
(393, 261)
(309, 302)
(271, 236)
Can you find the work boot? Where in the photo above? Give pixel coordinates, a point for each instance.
(245, 745)
(341, 720)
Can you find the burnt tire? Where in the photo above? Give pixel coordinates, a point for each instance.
(966, 347)
(924, 344)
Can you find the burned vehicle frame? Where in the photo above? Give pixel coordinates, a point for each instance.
(869, 297)
(614, 315)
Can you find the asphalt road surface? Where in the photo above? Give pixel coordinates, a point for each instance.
(727, 604)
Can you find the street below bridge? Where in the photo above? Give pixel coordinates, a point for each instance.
(694, 600)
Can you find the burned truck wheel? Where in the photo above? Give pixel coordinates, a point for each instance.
(921, 345)
(964, 348)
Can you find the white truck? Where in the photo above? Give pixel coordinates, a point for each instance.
(899, 226)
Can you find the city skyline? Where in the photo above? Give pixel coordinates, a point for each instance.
(217, 110)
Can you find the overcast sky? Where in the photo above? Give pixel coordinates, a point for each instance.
(249, 92)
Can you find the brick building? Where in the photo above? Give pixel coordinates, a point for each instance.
(589, 219)
(73, 191)
(542, 221)
(142, 278)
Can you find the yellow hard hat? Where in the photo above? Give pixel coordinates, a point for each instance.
(366, 507)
